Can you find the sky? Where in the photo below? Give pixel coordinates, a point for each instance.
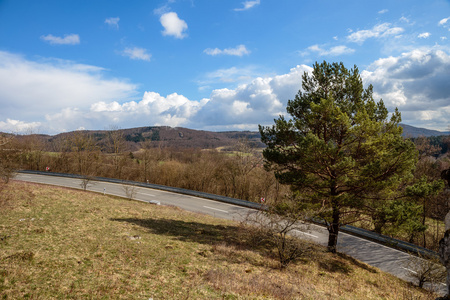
(216, 65)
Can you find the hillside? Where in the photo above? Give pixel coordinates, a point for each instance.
(57, 243)
(411, 131)
(179, 137)
(163, 136)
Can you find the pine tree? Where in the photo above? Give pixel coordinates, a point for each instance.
(339, 149)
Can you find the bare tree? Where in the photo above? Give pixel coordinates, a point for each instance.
(116, 146)
(84, 150)
(7, 157)
(146, 159)
(7, 165)
(237, 169)
(85, 181)
(280, 227)
(425, 270)
(32, 148)
(130, 191)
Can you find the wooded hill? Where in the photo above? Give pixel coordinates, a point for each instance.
(164, 136)
(179, 137)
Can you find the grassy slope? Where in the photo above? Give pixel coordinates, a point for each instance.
(61, 243)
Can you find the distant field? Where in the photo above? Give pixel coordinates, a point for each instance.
(57, 243)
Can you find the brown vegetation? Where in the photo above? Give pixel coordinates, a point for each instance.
(234, 170)
(58, 243)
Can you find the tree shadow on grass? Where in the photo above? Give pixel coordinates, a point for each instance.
(188, 231)
(344, 264)
(224, 239)
(232, 237)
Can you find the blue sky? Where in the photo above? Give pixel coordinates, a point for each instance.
(212, 64)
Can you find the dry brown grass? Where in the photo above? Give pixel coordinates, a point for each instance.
(57, 243)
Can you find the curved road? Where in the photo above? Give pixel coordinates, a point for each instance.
(385, 258)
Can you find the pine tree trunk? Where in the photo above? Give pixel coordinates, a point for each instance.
(333, 229)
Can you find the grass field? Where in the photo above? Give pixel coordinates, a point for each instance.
(57, 243)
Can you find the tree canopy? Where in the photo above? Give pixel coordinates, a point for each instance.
(339, 148)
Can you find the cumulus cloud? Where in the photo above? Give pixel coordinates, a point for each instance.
(237, 51)
(424, 35)
(378, 31)
(173, 25)
(333, 51)
(68, 39)
(248, 105)
(417, 83)
(29, 89)
(172, 110)
(137, 53)
(113, 22)
(72, 96)
(16, 126)
(244, 107)
(247, 5)
(383, 11)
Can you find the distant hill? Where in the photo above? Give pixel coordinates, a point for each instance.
(164, 136)
(411, 131)
(179, 137)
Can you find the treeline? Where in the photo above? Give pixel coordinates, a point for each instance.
(441, 142)
(419, 220)
(237, 173)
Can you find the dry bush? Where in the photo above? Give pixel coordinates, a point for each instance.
(278, 232)
(168, 173)
(237, 174)
(130, 191)
(85, 181)
(5, 195)
(425, 270)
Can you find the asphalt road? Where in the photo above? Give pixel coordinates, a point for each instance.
(385, 258)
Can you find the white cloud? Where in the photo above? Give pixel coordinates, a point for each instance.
(406, 20)
(237, 51)
(444, 21)
(162, 10)
(29, 90)
(333, 51)
(415, 82)
(230, 75)
(113, 22)
(72, 96)
(424, 35)
(173, 25)
(137, 53)
(248, 4)
(378, 31)
(383, 11)
(68, 39)
(16, 126)
(258, 102)
(172, 110)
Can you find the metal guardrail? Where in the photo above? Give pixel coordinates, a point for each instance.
(388, 241)
(383, 239)
(220, 198)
